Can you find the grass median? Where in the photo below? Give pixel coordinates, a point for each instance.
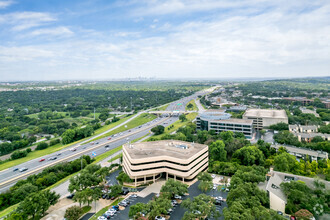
(194, 106)
(175, 126)
(139, 120)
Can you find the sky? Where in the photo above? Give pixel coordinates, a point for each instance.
(168, 39)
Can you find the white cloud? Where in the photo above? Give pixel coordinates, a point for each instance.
(25, 20)
(280, 41)
(57, 31)
(5, 4)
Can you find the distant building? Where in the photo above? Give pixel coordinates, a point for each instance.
(303, 128)
(303, 100)
(301, 153)
(308, 137)
(308, 111)
(237, 108)
(219, 121)
(147, 161)
(326, 103)
(265, 117)
(277, 198)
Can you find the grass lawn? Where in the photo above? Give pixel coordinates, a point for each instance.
(141, 119)
(86, 209)
(175, 126)
(194, 108)
(115, 157)
(102, 211)
(8, 210)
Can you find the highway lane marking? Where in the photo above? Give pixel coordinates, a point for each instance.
(78, 154)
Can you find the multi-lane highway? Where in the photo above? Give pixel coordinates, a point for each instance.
(9, 177)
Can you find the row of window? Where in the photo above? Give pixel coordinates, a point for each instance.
(171, 168)
(159, 161)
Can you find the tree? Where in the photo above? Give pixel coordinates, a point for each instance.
(23, 191)
(159, 129)
(249, 155)
(123, 178)
(159, 206)
(217, 151)
(200, 207)
(73, 213)
(183, 117)
(104, 115)
(68, 136)
(317, 139)
(96, 195)
(281, 126)
(115, 190)
(35, 205)
(135, 211)
(173, 187)
(205, 186)
(285, 162)
(190, 106)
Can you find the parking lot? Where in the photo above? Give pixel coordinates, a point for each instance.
(178, 211)
(193, 191)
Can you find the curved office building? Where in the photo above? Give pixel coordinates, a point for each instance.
(148, 161)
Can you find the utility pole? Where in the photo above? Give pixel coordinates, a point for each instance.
(94, 113)
(131, 104)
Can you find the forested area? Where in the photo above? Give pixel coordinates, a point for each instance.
(31, 113)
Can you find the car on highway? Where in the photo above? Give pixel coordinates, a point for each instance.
(23, 169)
(73, 149)
(106, 146)
(15, 169)
(109, 138)
(59, 154)
(52, 158)
(43, 159)
(97, 143)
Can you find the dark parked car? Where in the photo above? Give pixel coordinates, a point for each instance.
(104, 196)
(115, 207)
(125, 192)
(70, 196)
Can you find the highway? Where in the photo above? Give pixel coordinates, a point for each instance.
(9, 177)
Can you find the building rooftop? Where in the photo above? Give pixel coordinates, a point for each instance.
(300, 150)
(237, 121)
(265, 113)
(172, 148)
(277, 178)
(214, 114)
(312, 135)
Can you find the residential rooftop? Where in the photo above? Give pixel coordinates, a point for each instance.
(265, 113)
(172, 148)
(277, 178)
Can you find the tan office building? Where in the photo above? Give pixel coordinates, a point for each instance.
(265, 117)
(148, 161)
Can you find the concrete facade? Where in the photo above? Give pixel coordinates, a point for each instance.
(265, 117)
(148, 161)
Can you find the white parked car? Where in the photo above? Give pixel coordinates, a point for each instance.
(177, 197)
(101, 218)
(159, 218)
(134, 196)
(213, 176)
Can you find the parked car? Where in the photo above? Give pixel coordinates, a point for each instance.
(217, 202)
(125, 192)
(101, 218)
(159, 218)
(177, 197)
(23, 169)
(115, 207)
(70, 196)
(43, 159)
(104, 196)
(134, 196)
(213, 176)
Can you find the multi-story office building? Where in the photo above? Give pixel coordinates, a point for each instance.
(147, 161)
(219, 121)
(265, 117)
